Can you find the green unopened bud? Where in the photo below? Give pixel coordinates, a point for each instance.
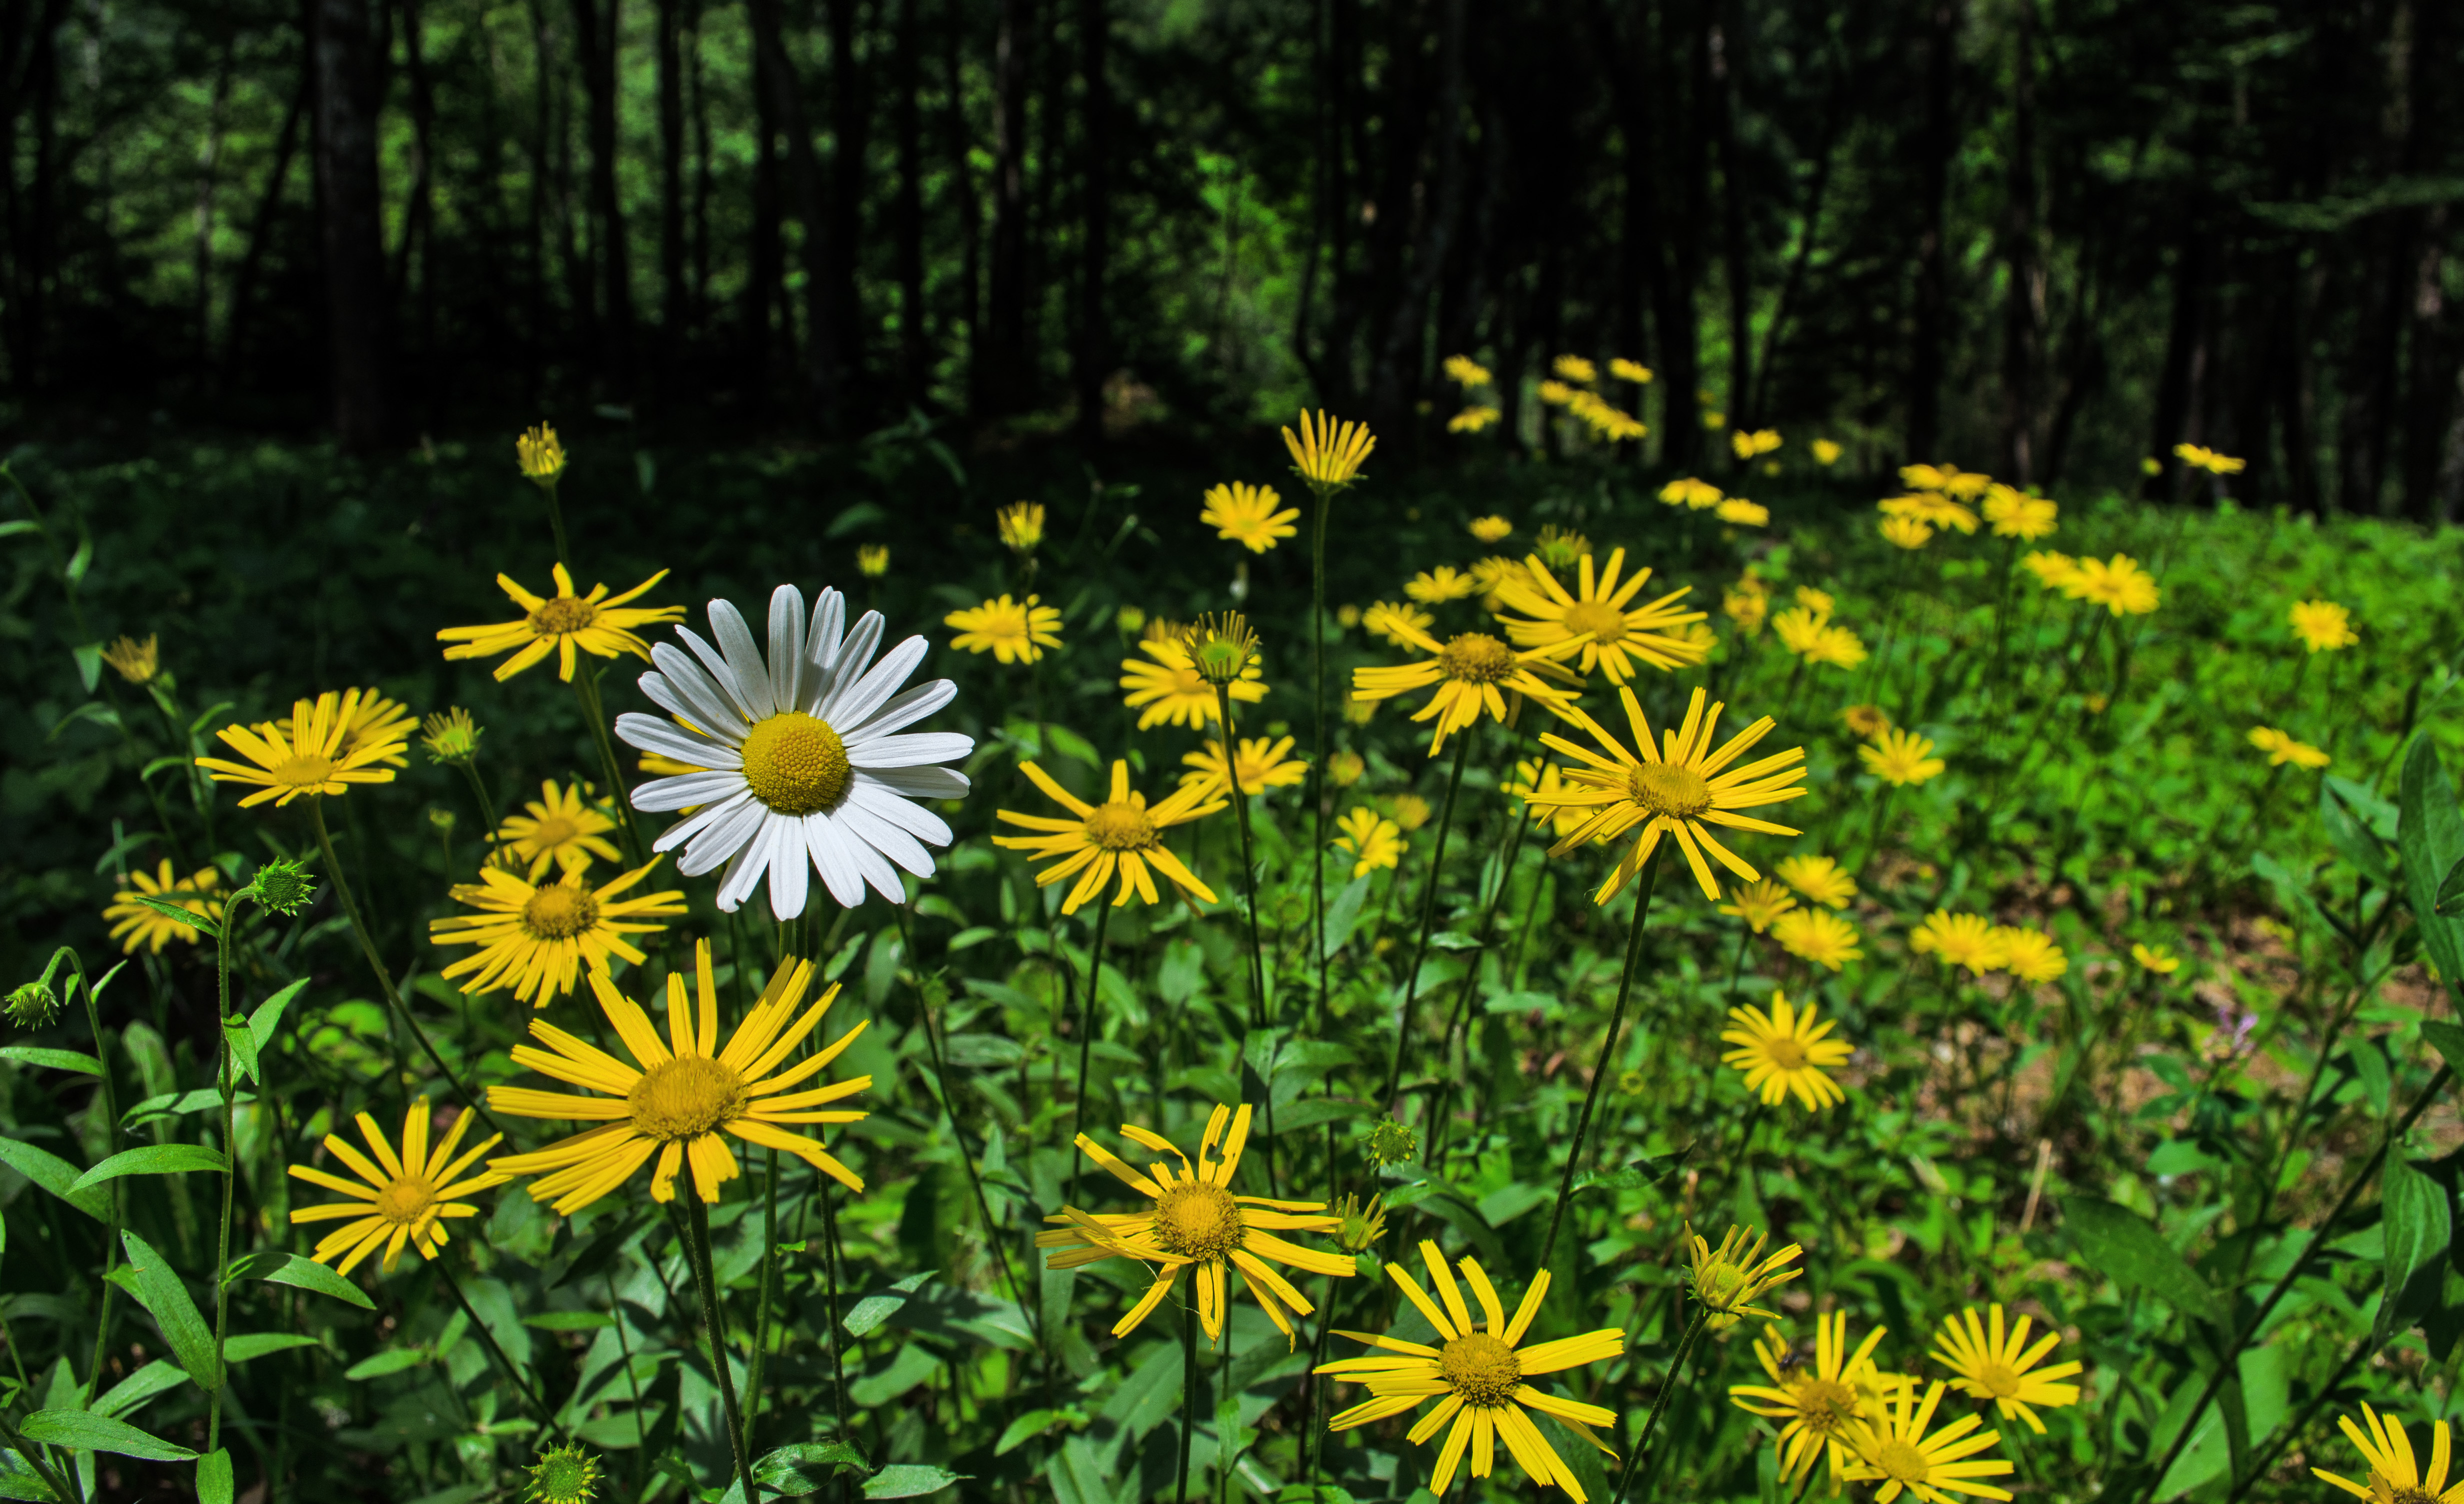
(1392, 1143)
(450, 736)
(283, 886)
(1359, 1225)
(1221, 649)
(565, 1475)
(34, 1005)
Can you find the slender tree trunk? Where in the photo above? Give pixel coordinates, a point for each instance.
(209, 161)
(355, 276)
(597, 36)
(907, 209)
(777, 80)
(1679, 340)
(1400, 357)
(268, 202)
(962, 180)
(542, 177)
(767, 256)
(2023, 312)
(33, 228)
(1000, 359)
(840, 365)
(419, 224)
(1729, 104)
(1927, 358)
(1094, 353)
(703, 178)
(676, 315)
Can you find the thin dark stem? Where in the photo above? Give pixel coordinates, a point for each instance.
(1188, 1388)
(585, 684)
(1607, 1055)
(503, 1359)
(762, 1306)
(715, 1329)
(1660, 1400)
(1087, 1025)
(632, 1381)
(950, 1107)
(556, 522)
(111, 1142)
(1428, 922)
(1258, 1002)
(230, 1166)
(1440, 1116)
(1319, 752)
(831, 1291)
(479, 793)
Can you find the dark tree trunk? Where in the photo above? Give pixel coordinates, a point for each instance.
(676, 315)
(704, 180)
(779, 83)
(1681, 444)
(2023, 311)
(347, 188)
(907, 209)
(1727, 103)
(839, 361)
(1000, 359)
(419, 225)
(1927, 356)
(260, 229)
(542, 175)
(30, 71)
(1094, 352)
(2180, 379)
(595, 38)
(767, 256)
(1401, 356)
(962, 181)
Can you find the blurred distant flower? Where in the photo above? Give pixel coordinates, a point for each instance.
(1021, 525)
(539, 455)
(137, 662)
(1444, 583)
(1465, 371)
(1576, 370)
(1247, 515)
(1817, 936)
(1901, 758)
(2016, 514)
(2280, 748)
(873, 560)
(1743, 513)
(1700, 496)
(2322, 625)
(1634, 371)
(1372, 840)
(1826, 452)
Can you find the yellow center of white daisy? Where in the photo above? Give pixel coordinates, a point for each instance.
(684, 1098)
(1605, 623)
(1481, 1368)
(1120, 828)
(1197, 1221)
(1476, 657)
(558, 912)
(1901, 1462)
(302, 772)
(1825, 1404)
(562, 614)
(796, 764)
(1664, 789)
(404, 1201)
(1784, 1052)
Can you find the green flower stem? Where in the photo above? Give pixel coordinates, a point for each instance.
(376, 963)
(469, 767)
(230, 1161)
(556, 520)
(504, 1360)
(715, 1329)
(111, 1142)
(1318, 749)
(587, 685)
(2227, 1360)
(950, 1109)
(1087, 1025)
(1667, 1390)
(62, 1488)
(1442, 1116)
(830, 1298)
(1188, 1388)
(1607, 1055)
(753, 1364)
(1262, 1010)
(1428, 922)
(633, 1381)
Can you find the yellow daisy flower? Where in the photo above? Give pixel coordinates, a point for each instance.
(2322, 625)
(1557, 394)
(1960, 940)
(1410, 811)
(538, 454)
(1760, 904)
(1821, 879)
(1784, 1053)
(1491, 575)
(2198, 456)
(1810, 634)
(1465, 371)
(1748, 608)
(1473, 419)
(1827, 452)
(1444, 583)
(1932, 508)
(2053, 570)
(1247, 515)
(1906, 532)
(1538, 784)
(405, 1198)
(1728, 1279)
(310, 759)
(1634, 371)
(1471, 671)
(1260, 765)
(1491, 529)
(1897, 1454)
(1817, 1399)
(1818, 935)
(1598, 619)
(2029, 954)
(1123, 834)
(536, 939)
(1742, 513)
(599, 624)
(2280, 748)
(2395, 1470)
(2014, 514)
(1329, 453)
(1836, 646)
(1480, 1373)
(1372, 840)
(374, 721)
(1993, 1364)
(2156, 958)
(561, 829)
(2118, 585)
(1021, 526)
(1865, 722)
(683, 1092)
(1576, 370)
(1170, 688)
(1762, 441)
(1012, 631)
(1394, 623)
(1901, 758)
(142, 925)
(1697, 496)
(1196, 1222)
(1674, 788)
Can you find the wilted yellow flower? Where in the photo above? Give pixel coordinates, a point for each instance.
(1819, 936)
(1473, 419)
(540, 457)
(1444, 583)
(1328, 454)
(873, 560)
(1826, 452)
(1728, 1279)
(1359, 1227)
(1906, 532)
(2016, 514)
(1247, 515)
(1576, 370)
(1901, 758)
(137, 662)
(2322, 625)
(2199, 457)
(2280, 748)
(1465, 371)
(1634, 371)
(1698, 496)
(1021, 525)
(1743, 513)
(1012, 631)
(1371, 840)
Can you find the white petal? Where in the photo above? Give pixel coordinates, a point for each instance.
(849, 667)
(828, 630)
(885, 838)
(905, 711)
(720, 675)
(745, 656)
(791, 874)
(713, 836)
(687, 790)
(855, 704)
(786, 646)
(884, 805)
(652, 735)
(686, 693)
(918, 782)
(826, 841)
(743, 875)
(913, 750)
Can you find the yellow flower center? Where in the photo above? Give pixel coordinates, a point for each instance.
(1197, 1221)
(405, 1201)
(303, 771)
(683, 1098)
(1481, 1368)
(1785, 1052)
(1664, 789)
(1605, 623)
(558, 912)
(1901, 1462)
(2396, 1495)
(551, 832)
(1121, 828)
(562, 614)
(1999, 1380)
(1721, 1286)
(1825, 1404)
(796, 764)
(1476, 659)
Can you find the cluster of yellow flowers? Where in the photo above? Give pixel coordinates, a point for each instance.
(1807, 629)
(1981, 947)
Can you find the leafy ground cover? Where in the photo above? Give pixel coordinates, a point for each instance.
(2120, 1003)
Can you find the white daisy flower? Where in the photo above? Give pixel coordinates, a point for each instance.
(798, 761)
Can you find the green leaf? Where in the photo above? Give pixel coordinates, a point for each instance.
(172, 1104)
(1034, 1423)
(1069, 744)
(392, 1360)
(2451, 891)
(867, 1313)
(301, 1273)
(243, 1048)
(2430, 839)
(83, 1431)
(807, 1467)
(2414, 1208)
(88, 656)
(78, 563)
(214, 1477)
(155, 1378)
(569, 1320)
(2351, 838)
(246, 1346)
(1343, 915)
(148, 1276)
(2116, 1242)
(172, 911)
(155, 1159)
(909, 1480)
(2447, 1039)
(268, 1016)
(56, 1175)
(52, 1059)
